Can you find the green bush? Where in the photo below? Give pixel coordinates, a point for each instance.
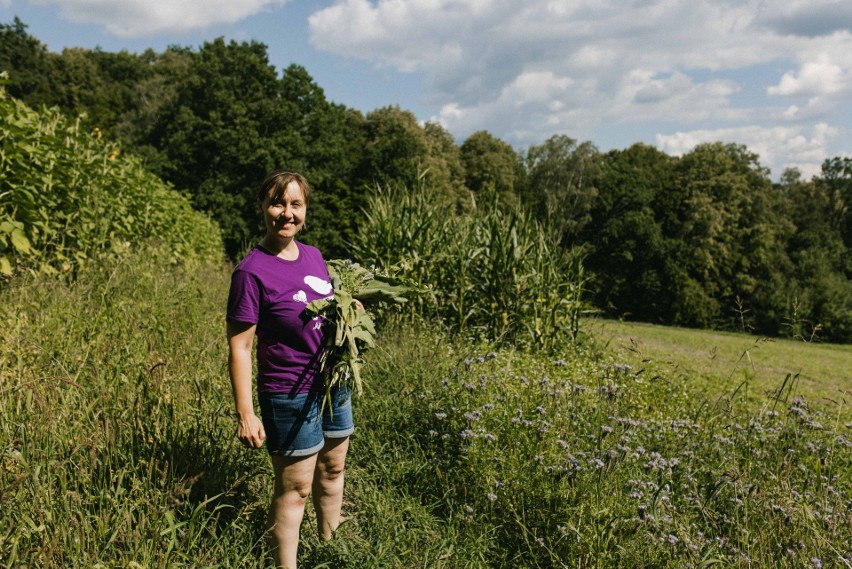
(68, 196)
(494, 272)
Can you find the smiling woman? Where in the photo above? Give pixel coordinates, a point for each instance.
(270, 291)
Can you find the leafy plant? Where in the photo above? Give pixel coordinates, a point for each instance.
(67, 196)
(494, 272)
(351, 329)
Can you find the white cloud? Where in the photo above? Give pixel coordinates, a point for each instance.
(137, 18)
(778, 147)
(820, 77)
(526, 71)
(472, 54)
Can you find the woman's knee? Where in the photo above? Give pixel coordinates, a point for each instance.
(331, 461)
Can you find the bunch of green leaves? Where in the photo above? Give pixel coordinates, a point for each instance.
(358, 293)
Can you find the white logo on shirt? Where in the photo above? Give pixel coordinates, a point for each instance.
(301, 297)
(319, 285)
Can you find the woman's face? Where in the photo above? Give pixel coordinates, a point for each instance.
(284, 217)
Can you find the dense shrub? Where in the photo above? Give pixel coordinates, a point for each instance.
(68, 195)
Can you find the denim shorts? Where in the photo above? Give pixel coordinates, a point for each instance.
(293, 424)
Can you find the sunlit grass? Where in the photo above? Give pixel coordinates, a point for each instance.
(117, 446)
(718, 361)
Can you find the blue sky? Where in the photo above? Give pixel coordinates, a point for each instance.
(775, 75)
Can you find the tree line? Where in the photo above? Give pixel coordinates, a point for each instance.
(705, 239)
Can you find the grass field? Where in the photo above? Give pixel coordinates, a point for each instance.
(715, 362)
(118, 446)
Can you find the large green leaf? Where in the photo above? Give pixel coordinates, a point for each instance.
(20, 241)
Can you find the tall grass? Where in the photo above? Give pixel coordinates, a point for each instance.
(494, 272)
(117, 447)
(114, 423)
(583, 461)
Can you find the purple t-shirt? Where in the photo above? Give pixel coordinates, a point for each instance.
(272, 293)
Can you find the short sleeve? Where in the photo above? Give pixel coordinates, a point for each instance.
(243, 298)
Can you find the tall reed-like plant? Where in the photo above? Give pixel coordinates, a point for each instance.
(495, 272)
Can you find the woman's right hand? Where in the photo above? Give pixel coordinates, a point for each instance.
(250, 431)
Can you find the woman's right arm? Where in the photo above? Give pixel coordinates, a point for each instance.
(240, 339)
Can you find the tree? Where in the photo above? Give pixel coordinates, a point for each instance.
(226, 127)
(819, 289)
(332, 140)
(721, 210)
(394, 150)
(491, 163)
(446, 171)
(627, 252)
(560, 178)
(29, 64)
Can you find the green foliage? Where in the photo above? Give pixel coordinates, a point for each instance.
(351, 330)
(530, 461)
(116, 442)
(493, 272)
(68, 196)
(818, 290)
(707, 241)
(628, 252)
(560, 178)
(223, 130)
(27, 62)
(399, 151)
(491, 164)
(702, 240)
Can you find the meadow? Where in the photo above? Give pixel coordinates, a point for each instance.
(716, 361)
(118, 445)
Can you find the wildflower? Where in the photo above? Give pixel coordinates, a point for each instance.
(489, 437)
(817, 562)
(467, 434)
(440, 416)
(560, 363)
(491, 496)
(473, 416)
(672, 539)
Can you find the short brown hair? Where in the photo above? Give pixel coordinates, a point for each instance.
(276, 182)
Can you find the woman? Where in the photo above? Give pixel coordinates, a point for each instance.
(269, 291)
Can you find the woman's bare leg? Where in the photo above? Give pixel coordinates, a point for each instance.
(328, 485)
(293, 477)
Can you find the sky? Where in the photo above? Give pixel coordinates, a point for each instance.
(774, 75)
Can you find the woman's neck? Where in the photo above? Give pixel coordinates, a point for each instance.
(286, 249)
